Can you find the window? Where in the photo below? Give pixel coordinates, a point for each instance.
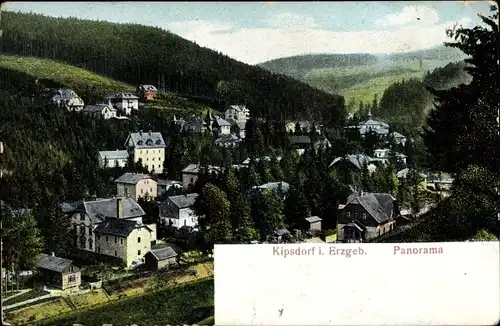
(153, 158)
(140, 152)
(364, 216)
(106, 238)
(147, 158)
(99, 249)
(115, 253)
(142, 191)
(146, 151)
(151, 190)
(90, 244)
(76, 229)
(139, 240)
(90, 230)
(349, 215)
(138, 252)
(83, 242)
(98, 237)
(116, 240)
(121, 241)
(71, 278)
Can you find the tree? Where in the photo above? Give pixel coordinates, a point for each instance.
(483, 235)
(296, 208)
(22, 241)
(461, 130)
(213, 209)
(267, 211)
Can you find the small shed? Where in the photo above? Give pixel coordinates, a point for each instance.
(160, 258)
(59, 272)
(281, 234)
(313, 223)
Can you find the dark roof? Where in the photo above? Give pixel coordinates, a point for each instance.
(163, 253)
(64, 94)
(53, 263)
(70, 206)
(281, 232)
(353, 225)
(117, 227)
(101, 208)
(237, 107)
(132, 178)
(379, 206)
(97, 108)
(147, 88)
(195, 169)
(129, 96)
(313, 219)
(183, 201)
(228, 139)
(114, 155)
(145, 140)
(161, 182)
(301, 139)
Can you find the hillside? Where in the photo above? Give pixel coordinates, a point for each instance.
(151, 55)
(358, 77)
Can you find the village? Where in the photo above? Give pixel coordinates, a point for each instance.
(118, 230)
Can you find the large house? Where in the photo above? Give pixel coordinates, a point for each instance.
(221, 127)
(163, 186)
(112, 227)
(367, 216)
(149, 148)
(356, 162)
(237, 113)
(192, 171)
(228, 141)
(123, 102)
(398, 138)
(146, 92)
(68, 99)
(104, 111)
(113, 158)
(136, 185)
(177, 212)
(380, 128)
(58, 272)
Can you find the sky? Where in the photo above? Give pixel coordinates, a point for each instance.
(254, 32)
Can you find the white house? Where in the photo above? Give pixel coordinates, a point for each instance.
(68, 99)
(191, 172)
(112, 158)
(237, 113)
(177, 211)
(149, 148)
(398, 138)
(136, 185)
(123, 102)
(381, 152)
(105, 111)
(222, 127)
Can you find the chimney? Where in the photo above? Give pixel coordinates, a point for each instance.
(140, 133)
(52, 254)
(119, 208)
(150, 132)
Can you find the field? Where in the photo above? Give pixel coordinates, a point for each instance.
(101, 301)
(25, 296)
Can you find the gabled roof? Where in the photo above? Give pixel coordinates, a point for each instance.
(53, 263)
(98, 108)
(128, 96)
(358, 160)
(113, 155)
(404, 173)
(228, 139)
(281, 232)
(237, 107)
(163, 253)
(148, 88)
(195, 169)
(378, 205)
(161, 182)
(313, 219)
(257, 159)
(132, 178)
(121, 228)
(396, 134)
(371, 122)
(183, 201)
(145, 140)
(274, 186)
(99, 209)
(222, 123)
(64, 94)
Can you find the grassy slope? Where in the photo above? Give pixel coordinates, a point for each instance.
(83, 81)
(185, 304)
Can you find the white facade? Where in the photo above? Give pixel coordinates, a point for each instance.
(152, 158)
(113, 158)
(238, 113)
(186, 218)
(124, 102)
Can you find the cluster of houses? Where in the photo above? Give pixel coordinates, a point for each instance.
(113, 106)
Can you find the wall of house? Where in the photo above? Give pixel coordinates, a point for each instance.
(75, 104)
(66, 283)
(146, 187)
(111, 245)
(187, 218)
(112, 162)
(165, 263)
(169, 212)
(225, 130)
(83, 229)
(188, 178)
(135, 249)
(316, 226)
(127, 105)
(108, 114)
(152, 158)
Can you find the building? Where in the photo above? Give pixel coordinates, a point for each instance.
(58, 272)
(177, 211)
(117, 158)
(104, 111)
(163, 186)
(146, 92)
(192, 171)
(136, 185)
(268, 159)
(356, 162)
(398, 138)
(125, 103)
(237, 112)
(301, 142)
(125, 239)
(380, 128)
(111, 227)
(68, 99)
(367, 216)
(282, 186)
(221, 127)
(228, 141)
(381, 153)
(149, 148)
(313, 223)
(160, 258)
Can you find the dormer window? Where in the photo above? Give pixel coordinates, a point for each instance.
(140, 142)
(158, 142)
(149, 142)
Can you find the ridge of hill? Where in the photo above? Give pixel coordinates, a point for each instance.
(143, 54)
(358, 77)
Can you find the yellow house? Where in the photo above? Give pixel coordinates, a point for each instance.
(112, 227)
(149, 148)
(136, 185)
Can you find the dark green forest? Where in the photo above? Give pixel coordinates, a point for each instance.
(449, 76)
(140, 54)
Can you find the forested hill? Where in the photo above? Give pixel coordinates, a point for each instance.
(140, 54)
(298, 66)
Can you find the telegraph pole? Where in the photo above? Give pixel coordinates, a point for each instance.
(2, 322)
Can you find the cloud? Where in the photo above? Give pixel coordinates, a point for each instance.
(283, 39)
(411, 15)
